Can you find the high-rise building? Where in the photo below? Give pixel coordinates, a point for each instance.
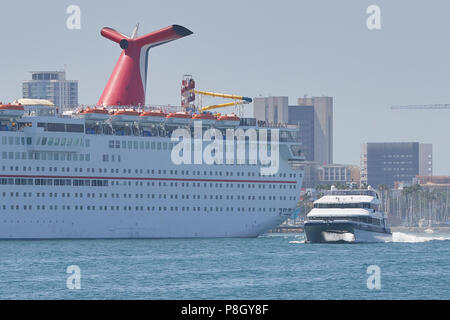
(53, 86)
(394, 162)
(425, 159)
(271, 109)
(314, 117)
(303, 116)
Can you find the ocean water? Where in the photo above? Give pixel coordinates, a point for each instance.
(273, 266)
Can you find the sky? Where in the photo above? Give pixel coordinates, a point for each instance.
(258, 48)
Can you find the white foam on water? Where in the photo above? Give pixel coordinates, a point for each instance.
(303, 241)
(414, 238)
(333, 237)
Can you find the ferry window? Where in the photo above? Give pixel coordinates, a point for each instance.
(141, 145)
(111, 143)
(4, 140)
(10, 140)
(56, 143)
(117, 144)
(87, 143)
(130, 144)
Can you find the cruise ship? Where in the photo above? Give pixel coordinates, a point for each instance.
(347, 216)
(107, 171)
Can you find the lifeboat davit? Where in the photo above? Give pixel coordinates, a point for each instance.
(228, 120)
(208, 119)
(124, 117)
(178, 118)
(94, 115)
(11, 111)
(152, 117)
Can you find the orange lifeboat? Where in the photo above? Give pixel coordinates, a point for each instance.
(94, 114)
(124, 117)
(152, 117)
(207, 118)
(228, 120)
(178, 118)
(11, 111)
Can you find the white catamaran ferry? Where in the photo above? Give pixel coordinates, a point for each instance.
(107, 171)
(347, 216)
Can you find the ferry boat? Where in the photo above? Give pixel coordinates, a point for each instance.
(347, 216)
(66, 176)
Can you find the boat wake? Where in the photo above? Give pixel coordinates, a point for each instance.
(414, 238)
(297, 241)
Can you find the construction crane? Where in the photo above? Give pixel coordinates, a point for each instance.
(422, 107)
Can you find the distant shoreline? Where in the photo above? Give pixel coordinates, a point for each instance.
(299, 229)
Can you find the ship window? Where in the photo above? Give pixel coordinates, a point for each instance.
(74, 128)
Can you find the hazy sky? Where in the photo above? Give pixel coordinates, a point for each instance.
(253, 48)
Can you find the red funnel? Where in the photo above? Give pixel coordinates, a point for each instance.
(127, 83)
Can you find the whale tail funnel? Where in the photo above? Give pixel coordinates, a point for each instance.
(127, 83)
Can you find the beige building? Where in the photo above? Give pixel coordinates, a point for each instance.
(323, 127)
(271, 109)
(313, 115)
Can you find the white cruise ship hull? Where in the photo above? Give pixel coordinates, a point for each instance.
(106, 186)
(123, 225)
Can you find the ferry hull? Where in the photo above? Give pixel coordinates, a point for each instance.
(323, 232)
(137, 225)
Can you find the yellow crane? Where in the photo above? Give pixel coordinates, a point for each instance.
(239, 99)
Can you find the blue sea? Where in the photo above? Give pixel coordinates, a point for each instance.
(273, 266)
